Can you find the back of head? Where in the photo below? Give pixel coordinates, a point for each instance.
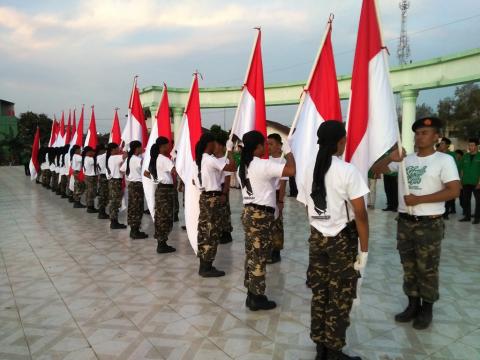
(110, 147)
(154, 152)
(250, 141)
(206, 138)
(134, 145)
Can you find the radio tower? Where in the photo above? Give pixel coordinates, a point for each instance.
(403, 50)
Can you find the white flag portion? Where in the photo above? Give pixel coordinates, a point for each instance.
(60, 140)
(136, 127)
(160, 127)
(320, 102)
(251, 113)
(372, 127)
(34, 166)
(190, 132)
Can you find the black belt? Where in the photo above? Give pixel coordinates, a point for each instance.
(103, 176)
(166, 186)
(418, 218)
(212, 193)
(268, 209)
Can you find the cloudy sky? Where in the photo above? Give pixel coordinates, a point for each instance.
(55, 55)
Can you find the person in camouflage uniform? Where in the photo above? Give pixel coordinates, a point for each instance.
(176, 204)
(135, 204)
(209, 226)
(164, 211)
(115, 195)
(79, 187)
(258, 226)
(46, 176)
(102, 196)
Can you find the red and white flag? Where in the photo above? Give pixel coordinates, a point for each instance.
(74, 124)
(53, 133)
(68, 131)
(60, 140)
(251, 114)
(136, 127)
(372, 126)
(320, 102)
(115, 132)
(184, 152)
(77, 138)
(91, 138)
(34, 166)
(160, 127)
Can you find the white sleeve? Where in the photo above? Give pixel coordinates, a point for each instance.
(394, 166)
(216, 163)
(273, 169)
(123, 168)
(356, 187)
(449, 170)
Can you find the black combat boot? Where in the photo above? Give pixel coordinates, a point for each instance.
(92, 210)
(424, 317)
(114, 224)
(163, 248)
(135, 233)
(321, 352)
(226, 238)
(70, 199)
(465, 219)
(64, 196)
(207, 270)
(78, 205)
(102, 214)
(411, 310)
(260, 302)
(58, 192)
(339, 355)
(274, 257)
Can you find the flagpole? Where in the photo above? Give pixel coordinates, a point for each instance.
(235, 119)
(307, 85)
(403, 170)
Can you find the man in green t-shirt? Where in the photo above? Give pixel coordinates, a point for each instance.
(470, 175)
(444, 146)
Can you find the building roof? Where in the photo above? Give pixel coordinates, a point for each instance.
(277, 126)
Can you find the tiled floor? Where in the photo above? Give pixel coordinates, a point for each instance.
(72, 289)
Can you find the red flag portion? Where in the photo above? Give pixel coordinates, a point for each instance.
(68, 132)
(74, 125)
(53, 133)
(91, 138)
(34, 166)
(77, 138)
(115, 132)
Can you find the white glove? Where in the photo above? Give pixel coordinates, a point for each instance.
(286, 148)
(229, 145)
(361, 262)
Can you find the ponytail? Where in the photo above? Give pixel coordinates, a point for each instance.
(64, 152)
(133, 146)
(329, 134)
(72, 151)
(152, 165)
(200, 147)
(250, 141)
(110, 147)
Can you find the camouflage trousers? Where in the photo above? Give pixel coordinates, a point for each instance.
(68, 192)
(135, 204)
(257, 225)
(227, 216)
(209, 226)
(46, 176)
(277, 233)
(164, 210)
(176, 204)
(419, 245)
(78, 188)
(333, 281)
(54, 181)
(63, 184)
(91, 190)
(115, 195)
(102, 192)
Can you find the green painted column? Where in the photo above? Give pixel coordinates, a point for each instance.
(153, 112)
(409, 103)
(177, 120)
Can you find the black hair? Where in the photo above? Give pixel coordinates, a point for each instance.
(111, 146)
(459, 152)
(250, 141)
(275, 137)
(41, 155)
(133, 146)
(51, 155)
(473, 140)
(329, 134)
(64, 152)
(446, 141)
(221, 140)
(73, 150)
(152, 165)
(200, 147)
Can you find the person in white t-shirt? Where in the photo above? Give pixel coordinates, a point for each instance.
(42, 154)
(258, 179)
(53, 169)
(210, 171)
(432, 180)
(89, 164)
(101, 155)
(338, 218)
(71, 180)
(79, 176)
(64, 171)
(161, 170)
(275, 149)
(132, 168)
(114, 160)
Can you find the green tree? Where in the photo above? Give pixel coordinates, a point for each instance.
(11, 148)
(424, 110)
(27, 125)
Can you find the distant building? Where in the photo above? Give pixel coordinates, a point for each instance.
(276, 127)
(8, 121)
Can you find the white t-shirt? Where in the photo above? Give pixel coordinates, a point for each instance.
(77, 162)
(135, 166)
(426, 175)
(114, 164)
(164, 170)
(343, 182)
(280, 160)
(212, 169)
(45, 166)
(262, 176)
(66, 167)
(102, 170)
(89, 166)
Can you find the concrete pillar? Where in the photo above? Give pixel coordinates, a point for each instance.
(409, 103)
(153, 120)
(177, 120)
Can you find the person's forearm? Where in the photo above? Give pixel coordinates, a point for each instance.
(381, 166)
(281, 192)
(362, 228)
(290, 165)
(226, 185)
(440, 196)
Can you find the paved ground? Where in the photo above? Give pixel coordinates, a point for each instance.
(72, 289)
